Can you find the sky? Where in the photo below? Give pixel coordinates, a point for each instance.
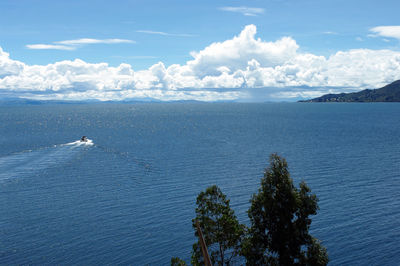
(225, 50)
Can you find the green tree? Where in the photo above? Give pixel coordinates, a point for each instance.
(221, 229)
(176, 261)
(279, 217)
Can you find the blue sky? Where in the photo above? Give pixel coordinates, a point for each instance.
(145, 34)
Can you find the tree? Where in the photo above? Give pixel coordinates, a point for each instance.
(176, 261)
(221, 229)
(279, 217)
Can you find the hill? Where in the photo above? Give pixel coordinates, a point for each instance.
(388, 93)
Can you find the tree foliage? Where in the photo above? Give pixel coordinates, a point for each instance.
(221, 229)
(279, 216)
(279, 224)
(176, 261)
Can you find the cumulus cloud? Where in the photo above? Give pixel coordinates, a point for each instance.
(244, 10)
(73, 44)
(9, 67)
(236, 53)
(387, 31)
(242, 68)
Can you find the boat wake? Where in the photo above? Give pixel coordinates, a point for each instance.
(33, 162)
(88, 142)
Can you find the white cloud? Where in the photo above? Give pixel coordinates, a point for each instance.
(94, 41)
(153, 32)
(330, 33)
(73, 44)
(237, 52)
(241, 68)
(9, 67)
(49, 47)
(387, 31)
(247, 11)
(165, 33)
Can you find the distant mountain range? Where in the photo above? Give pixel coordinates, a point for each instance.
(389, 93)
(23, 101)
(10, 101)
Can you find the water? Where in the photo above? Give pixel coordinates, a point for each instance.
(130, 196)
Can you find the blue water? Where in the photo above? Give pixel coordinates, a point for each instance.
(129, 198)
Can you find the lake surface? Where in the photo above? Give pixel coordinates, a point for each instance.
(129, 198)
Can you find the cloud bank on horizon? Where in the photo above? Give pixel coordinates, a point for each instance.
(244, 68)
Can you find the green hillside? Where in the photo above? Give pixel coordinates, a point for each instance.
(388, 93)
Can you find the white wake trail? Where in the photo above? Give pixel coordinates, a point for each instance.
(89, 142)
(32, 162)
